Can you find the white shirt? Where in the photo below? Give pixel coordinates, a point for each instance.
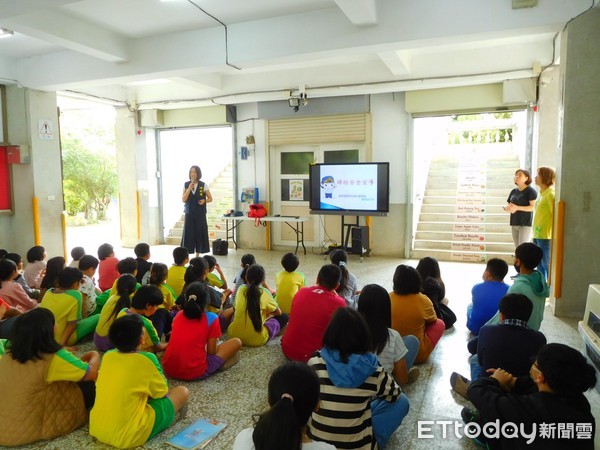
(394, 351)
(243, 441)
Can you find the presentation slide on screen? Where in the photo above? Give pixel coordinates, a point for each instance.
(349, 187)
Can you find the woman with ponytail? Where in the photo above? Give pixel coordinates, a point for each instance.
(293, 396)
(126, 285)
(257, 316)
(348, 286)
(193, 352)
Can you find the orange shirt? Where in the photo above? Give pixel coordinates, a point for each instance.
(410, 314)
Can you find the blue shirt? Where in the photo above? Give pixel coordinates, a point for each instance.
(486, 297)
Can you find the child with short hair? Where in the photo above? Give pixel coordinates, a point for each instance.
(37, 374)
(133, 400)
(18, 260)
(487, 295)
(433, 287)
(257, 317)
(126, 287)
(175, 277)
(530, 282)
(293, 396)
(142, 253)
(162, 318)
(240, 279)
(76, 253)
(65, 302)
(107, 270)
(288, 281)
(88, 265)
(217, 281)
(144, 303)
(11, 291)
(361, 404)
(193, 352)
(34, 270)
(348, 288)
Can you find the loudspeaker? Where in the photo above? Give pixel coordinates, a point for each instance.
(220, 247)
(360, 240)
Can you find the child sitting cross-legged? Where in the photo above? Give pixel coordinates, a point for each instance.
(144, 303)
(293, 396)
(361, 404)
(257, 316)
(37, 375)
(175, 278)
(133, 401)
(193, 352)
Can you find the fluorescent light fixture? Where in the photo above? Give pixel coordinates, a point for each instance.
(5, 32)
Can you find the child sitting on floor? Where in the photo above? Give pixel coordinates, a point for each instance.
(11, 291)
(348, 289)
(361, 404)
(217, 281)
(162, 318)
(88, 264)
(107, 270)
(54, 266)
(125, 266)
(133, 402)
(144, 303)
(126, 287)
(65, 302)
(240, 279)
(76, 254)
(257, 316)
(293, 396)
(34, 270)
(486, 296)
(175, 278)
(18, 260)
(37, 375)
(142, 253)
(289, 281)
(193, 352)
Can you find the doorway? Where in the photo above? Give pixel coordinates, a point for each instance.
(210, 148)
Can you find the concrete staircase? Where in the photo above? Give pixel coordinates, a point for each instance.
(461, 217)
(221, 189)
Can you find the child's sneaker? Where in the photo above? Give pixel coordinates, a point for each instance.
(459, 384)
(230, 362)
(412, 375)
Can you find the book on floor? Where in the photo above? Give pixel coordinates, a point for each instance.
(197, 435)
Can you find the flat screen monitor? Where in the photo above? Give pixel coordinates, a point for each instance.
(350, 189)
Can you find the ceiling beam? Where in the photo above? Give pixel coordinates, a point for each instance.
(397, 61)
(70, 33)
(359, 12)
(210, 83)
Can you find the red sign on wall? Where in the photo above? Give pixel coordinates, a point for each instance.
(5, 183)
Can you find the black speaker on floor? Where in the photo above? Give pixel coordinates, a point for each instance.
(220, 247)
(360, 241)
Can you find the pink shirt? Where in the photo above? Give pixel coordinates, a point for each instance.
(15, 296)
(33, 274)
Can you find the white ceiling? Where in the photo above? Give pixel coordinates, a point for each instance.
(170, 54)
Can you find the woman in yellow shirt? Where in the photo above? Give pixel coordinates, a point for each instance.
(543, 216)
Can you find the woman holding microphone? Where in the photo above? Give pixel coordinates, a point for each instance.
(195, 228)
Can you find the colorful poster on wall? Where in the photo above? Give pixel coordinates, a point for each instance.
(296, 190)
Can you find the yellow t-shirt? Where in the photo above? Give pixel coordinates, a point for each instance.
(214, 280)
(121, 416)
(288, 283)
(107, 311)
(151, 339)
(543, 215)
(65, 366)
(66, 307)
(113, 289)
(168, 295)
(175, 279)
(241, 326)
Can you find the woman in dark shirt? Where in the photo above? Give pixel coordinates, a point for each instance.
(520, 205)
(195, 229)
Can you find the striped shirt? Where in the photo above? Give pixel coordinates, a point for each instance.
(344, 416)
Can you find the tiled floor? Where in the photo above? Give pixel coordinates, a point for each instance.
(235, 395)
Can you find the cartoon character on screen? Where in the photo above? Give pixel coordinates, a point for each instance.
(328, 185)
